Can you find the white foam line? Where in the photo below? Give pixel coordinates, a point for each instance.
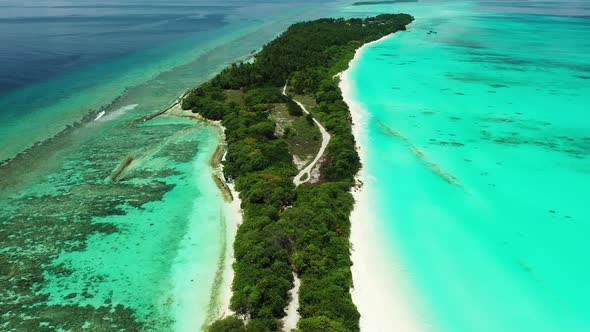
(99, 115)
(115, 114)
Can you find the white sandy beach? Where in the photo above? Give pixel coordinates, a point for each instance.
(381, 291)
(234, 212)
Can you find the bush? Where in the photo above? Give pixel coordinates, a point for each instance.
(309, 119)
(294, 109)
(262, 325)
(228, 324)
(321, 324)
(264, 95)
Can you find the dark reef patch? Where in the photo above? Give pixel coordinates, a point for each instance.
(60, 209)
(434, 141)
(498, 120)
(574, 147)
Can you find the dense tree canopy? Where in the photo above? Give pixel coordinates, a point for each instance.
(303, 230)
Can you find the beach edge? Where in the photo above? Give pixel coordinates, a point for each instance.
(374, 274)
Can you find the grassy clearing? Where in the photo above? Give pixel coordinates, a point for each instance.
(307, 100)
(236, 96)
(303, 139)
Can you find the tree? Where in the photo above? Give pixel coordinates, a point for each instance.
(321, 324)
(228, 324)
(285, 228)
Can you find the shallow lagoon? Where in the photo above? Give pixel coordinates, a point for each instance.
(478, 140)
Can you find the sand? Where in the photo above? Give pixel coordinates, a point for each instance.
(381, 290)
(220, 307)
(290, 321)
(234, 212)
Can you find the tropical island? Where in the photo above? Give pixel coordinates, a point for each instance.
(386, 2)
(457, 204)
(274, 110)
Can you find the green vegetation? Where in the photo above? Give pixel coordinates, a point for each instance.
(303, 139)
(307, 100)
(294, 109)
(285, 229)
(229, 324)
(390, 2)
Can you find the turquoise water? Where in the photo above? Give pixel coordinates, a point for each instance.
(478, 145)
(82, 245)
(143, 42)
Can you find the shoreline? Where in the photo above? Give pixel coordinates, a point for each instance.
(221, 293)
(234, 211)
(396, 309)
(221, 298)
(283, 228)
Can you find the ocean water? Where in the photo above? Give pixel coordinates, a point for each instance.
(82, 243)
(63, 59)
(477, 145)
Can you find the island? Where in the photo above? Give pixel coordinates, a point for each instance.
(387, 2)
(284, 114)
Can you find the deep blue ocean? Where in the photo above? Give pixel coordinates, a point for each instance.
(44, 39)
(58, 57)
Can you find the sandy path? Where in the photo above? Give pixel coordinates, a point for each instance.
(325, 140)
(290, 321)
